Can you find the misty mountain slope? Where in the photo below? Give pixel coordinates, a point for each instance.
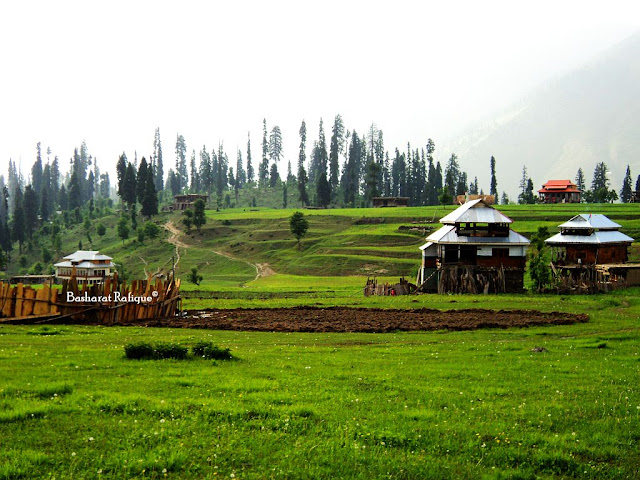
(587, 116)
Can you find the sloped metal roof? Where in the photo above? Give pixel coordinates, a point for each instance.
(475, 211)
(596, 238)
(448, 235)
(426, 245)
(88, 255)
(591, 220)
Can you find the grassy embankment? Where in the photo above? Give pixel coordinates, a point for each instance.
(475, 404)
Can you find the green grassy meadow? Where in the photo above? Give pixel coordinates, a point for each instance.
(477, 404)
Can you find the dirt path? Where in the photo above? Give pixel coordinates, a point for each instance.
(341, 319)
(175, 233)
(262, 269)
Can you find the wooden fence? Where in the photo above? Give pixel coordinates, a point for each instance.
(108, 303)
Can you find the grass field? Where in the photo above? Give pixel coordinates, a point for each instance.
(475, 404)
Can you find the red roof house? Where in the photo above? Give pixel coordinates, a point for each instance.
(559, 191)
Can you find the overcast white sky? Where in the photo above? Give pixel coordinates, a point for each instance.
(111, 72)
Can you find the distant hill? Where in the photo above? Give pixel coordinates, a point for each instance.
(589, 115)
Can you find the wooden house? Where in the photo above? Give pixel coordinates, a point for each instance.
(86, 266)
(590, 254)
(474, 251)
(379, 202)
(559, 191)
(590, 239)
(182, 202)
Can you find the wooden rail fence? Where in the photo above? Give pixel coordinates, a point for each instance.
(107, 303)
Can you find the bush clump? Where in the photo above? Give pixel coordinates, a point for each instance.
(212, 352)
(170, 350)
(139, 351)
(160, 351)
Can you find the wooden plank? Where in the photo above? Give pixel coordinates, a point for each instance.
(54, 300)
(42, 301)
(9, 305)
(19, 300)
(28, 304)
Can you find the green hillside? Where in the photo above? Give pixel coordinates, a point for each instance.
(239, 244)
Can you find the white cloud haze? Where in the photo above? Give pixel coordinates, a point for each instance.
(109, 73)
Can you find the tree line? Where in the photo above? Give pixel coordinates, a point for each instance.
(347, 169)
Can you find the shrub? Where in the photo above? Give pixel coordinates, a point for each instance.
(160, 351)
(139, 351)
(212, 352)
(170, 350)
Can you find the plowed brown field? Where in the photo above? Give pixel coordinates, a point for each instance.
(341, 319)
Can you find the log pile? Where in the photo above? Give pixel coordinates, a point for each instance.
(108, 303)
(403, 287)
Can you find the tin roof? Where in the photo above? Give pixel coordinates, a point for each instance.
(86, 264)
(89, 255)
(448, 235)
(596, 238)
(596, 221)
(475, 211)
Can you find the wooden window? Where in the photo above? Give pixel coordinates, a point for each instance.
(500, 252)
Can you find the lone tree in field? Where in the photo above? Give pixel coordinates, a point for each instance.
(298, 226)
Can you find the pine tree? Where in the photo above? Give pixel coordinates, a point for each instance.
(195, 176)
(129, 186)
(371, 181)
(493, 189)
(275, 145)
(173, 183)
(121, 170)
(250, 171)
(263, 173)
(141, 179)
(55, 181)
(105, 185)
(75, 192)
(159, 164)
(284, 196)
(580, 181)
(274, 176)
(452, 176)
(5, 232)
(323, 158)
(302, 174)
(63, 199)
(150, 196)
(181, 164)
(241, 175)
(36, 172)
(626, 190)
(600, 184)
(335, 149)
(18, 227)
(522, 197)
(205, 174)
(323, 191)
